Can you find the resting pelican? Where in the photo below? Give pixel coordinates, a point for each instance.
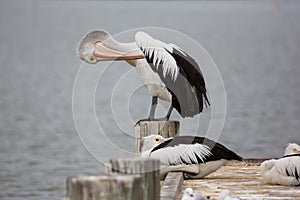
(195, 156)
(189, 194)
(285, 170)
(166, 70)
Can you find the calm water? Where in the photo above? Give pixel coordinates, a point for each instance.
(256, 46)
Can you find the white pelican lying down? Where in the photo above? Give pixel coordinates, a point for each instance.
(189, 194)
(196, 156)
(166, 70)
(285, 170)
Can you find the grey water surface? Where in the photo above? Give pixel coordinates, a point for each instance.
(255, 44)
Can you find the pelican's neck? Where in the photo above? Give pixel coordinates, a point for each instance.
(145, 154)
(123, 47)
(130, 48)
(132, 62)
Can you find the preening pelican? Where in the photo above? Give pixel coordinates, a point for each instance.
(283, 171)
(166, 70)
(195, 156)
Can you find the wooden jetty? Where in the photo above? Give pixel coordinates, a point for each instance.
(241, 179)
(138, 178)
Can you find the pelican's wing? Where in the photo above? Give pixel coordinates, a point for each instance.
(289, 166)
(178, 71)
(267, 165)
(191, 68)
(156, 53)
(191, 150)
(181, 154)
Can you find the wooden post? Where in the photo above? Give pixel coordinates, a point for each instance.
(163, 128)
(147, 168)
(104, 187)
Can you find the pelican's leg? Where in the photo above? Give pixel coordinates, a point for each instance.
(153, 108)
(152, 111)
(169, 112)
(167, 117)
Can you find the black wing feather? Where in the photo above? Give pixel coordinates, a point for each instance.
(291, 166)
(188, 89)
(296, 173)
(291, 155)
(192, 72)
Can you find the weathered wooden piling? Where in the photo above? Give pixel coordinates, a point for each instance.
(163, 128)
(147, 168)
(104, 187)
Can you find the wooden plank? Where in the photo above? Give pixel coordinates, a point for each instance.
(242, 179)
(163, 128)
(252, 161)
(171, 186)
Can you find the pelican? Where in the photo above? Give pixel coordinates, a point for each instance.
(285, 170)
(195, 156)
(226, 195)
(189, 194)
(167, 72)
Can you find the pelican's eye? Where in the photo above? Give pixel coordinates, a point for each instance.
(92, 58)
(295, 150)
(157, 139)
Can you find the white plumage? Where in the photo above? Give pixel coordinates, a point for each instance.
(196, 156)
(186, 152)
(226, 195)
(189, 194)
(158, 50)
(152, 81)
(285, 170)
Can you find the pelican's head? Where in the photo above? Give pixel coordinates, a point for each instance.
(98, 45)
(188, 194)
(292, 148)
(149, 142)
(86, 46)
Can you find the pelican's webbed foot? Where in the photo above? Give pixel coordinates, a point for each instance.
(152, 119)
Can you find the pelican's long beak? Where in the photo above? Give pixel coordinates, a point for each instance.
(103, 53)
